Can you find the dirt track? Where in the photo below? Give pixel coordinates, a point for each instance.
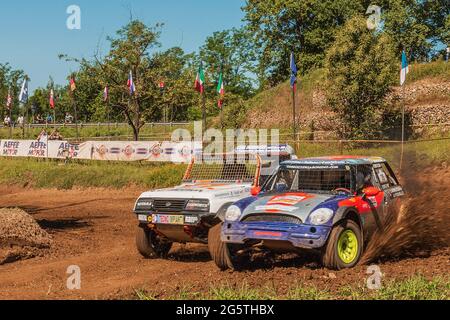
(94, 229)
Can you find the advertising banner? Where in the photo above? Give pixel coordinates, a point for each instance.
(153, 151)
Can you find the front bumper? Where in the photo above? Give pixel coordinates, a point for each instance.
(300, 236)
(163, 218)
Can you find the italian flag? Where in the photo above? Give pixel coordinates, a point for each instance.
(200, 80)
(221, 90)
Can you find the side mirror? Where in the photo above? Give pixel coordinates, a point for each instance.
(371, 192)
(255, 191)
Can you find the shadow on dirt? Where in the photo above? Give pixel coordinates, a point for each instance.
(34, 209)
(67, 224)
(62, 225)
(190, 255)
(269, 261)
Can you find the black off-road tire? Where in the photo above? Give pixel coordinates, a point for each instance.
(330, 256)
(219, 250)
(150, 245)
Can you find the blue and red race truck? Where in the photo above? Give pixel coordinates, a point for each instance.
(332, 205)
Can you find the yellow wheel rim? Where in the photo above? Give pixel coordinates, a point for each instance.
(348, 246)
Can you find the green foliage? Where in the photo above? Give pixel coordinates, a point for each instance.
(233, 52)
(361, 68)
(307, 28)
(10, 79)
(256, 54)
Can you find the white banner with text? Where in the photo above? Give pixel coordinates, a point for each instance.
(153, 151)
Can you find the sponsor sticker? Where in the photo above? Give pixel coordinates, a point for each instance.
(144, 218)
(191, 219)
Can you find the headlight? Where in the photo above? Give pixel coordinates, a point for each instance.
(321, 216)
(197, 205)
(233, 213)
(144, 204)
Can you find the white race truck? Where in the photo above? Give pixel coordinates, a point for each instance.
(211, 184)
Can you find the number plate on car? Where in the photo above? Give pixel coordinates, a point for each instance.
(167, 219)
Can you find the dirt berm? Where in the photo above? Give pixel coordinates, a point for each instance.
(20, 236)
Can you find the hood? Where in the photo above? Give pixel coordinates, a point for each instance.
(201, 190)
(296, 204)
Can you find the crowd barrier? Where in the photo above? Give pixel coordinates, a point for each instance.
(153, 151)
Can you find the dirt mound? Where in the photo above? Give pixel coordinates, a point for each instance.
(20, 236)
(422, 223)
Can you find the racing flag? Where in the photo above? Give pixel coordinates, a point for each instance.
(294, 72)
(130, 83)
(200, 79)
(73, 85)
(221, 90)
(23, 96)
(9, 100)
(52, 99)
(106, 94)
(405, 69)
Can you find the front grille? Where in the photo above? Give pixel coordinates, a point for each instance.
(169, 205)
(272, 218)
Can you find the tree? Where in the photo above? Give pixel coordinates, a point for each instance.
(130, 53)
(10, 81)
(233, 52)
(405, 24)
(361, 67)
(436, 15)
(176, 70)
(307, 28)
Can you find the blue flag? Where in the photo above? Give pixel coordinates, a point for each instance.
(293, 72)
(405, 68)
(23, 97)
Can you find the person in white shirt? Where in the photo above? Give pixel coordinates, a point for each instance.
(20, 121)
(7, 121)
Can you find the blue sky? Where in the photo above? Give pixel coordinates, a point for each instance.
(33, 33)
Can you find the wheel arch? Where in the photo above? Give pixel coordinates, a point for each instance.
(348, 213)
(220, 216)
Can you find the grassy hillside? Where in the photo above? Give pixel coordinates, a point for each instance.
(272, 108)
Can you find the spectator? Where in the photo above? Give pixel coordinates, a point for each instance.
(55, 135)
(49, 119)
(20, 121)
(39, 119)
(7, 121)
(68, 118)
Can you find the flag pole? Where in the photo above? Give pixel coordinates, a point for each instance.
(404, 72)
(403, 114)
(204, 110)
(294, 114)
(10, 119)
(75, 115)
(221, 117)
(108, 111)
(23, 122)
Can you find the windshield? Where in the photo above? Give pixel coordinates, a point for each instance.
(309, 179)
